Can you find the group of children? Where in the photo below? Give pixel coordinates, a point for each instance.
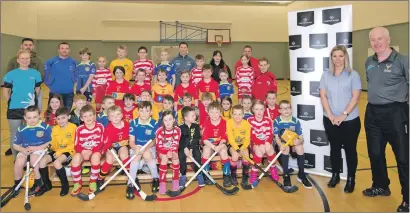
(194, 120)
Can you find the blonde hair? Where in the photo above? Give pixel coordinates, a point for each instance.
(347, 59)
(114, 108)
(22, 52)
(103, 57)
(122, 47)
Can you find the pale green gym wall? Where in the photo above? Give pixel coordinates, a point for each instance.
(277, 53)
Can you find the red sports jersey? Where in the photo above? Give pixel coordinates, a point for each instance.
(167, 140)
(244, 80)
(147, 65)
(118, 90)
(137, 89)
(89, 139)
(212, 87)
(180, 91)
(196, 76)
(102, 77)
(261, 131)
(215, 133)
(116, 137)
(128, 115)
(52, 121)
(272, 113)
(264, 83)
(203, 115)
(254, 64)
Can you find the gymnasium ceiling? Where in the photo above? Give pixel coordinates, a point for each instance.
(213, 2)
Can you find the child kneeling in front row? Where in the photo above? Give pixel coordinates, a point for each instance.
(31, 139)
(287, 121)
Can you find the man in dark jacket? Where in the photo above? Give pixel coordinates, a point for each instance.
(182, 62)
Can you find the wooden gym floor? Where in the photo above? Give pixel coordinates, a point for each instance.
(267, 197)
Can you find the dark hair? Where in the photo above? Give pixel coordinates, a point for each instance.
(144, 104)
(63, 43)
(49, 111)
(32, 108)
(222, 63)
(227, 98)
(143, 48)
(165, 113)
(247, 46)
(162, 71)
(271, 92)
(199, 57)
(87, 108)
(185, 110)
(186, 71)
(284, 102)
(62, 111)
(118, 68)
(169, 98)
(140, 70)
(264, 59)
(187, 95)
(128, 96)
(27, 39)
(207, 67)
(182, 44)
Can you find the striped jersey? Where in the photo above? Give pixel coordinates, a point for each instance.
(261, 131)
(244, 80)
(102, 77)
(196, 76)
(89, 139)
(147, 65)
(167, 140)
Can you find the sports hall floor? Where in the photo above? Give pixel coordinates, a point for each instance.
(267, 197)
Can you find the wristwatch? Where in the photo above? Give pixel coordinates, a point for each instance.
(345, 113)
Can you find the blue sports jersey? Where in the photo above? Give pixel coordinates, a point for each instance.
(22, 84)
(143, 132)
(102, 118)
(168, 67)
(246, 115)
(292, 125)
(33, 135)
(226, 89)
(59, 74)
(82, 73)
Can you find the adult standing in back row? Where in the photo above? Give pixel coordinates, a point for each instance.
(59, 75)
(182, 62)
(254, 62)
(387, 114)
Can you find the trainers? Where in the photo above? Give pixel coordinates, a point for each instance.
(92, 187)
(306, 183)
(286, 180)
(373, 192)
(404, 207)
(227, 182)
(41, 191)
(99, 184)
(208, 181)
(85, 170)
(76, 189)
(274, 173)
(129, 192)
(35, 189)
(201, 181)
(182, 181)
(244, 181)
(155, 184)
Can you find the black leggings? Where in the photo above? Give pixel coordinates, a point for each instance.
(183, 158)
(346, 134)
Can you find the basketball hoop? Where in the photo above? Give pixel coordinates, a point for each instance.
(219, 42)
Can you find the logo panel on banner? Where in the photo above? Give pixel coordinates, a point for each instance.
(327, 165)
(295, 42)
(314, 88)
(295, 88)
(332, 16)
(310, 161)
(344, 38)
(305, 19)
(306, 112)
(306, 64)
(318, 41)
(325, 64)
(318, 138)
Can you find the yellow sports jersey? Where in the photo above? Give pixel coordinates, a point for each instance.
(226, 115)
(126, 63)
(62, 139)
(155, 113)
(180, 119)
(159, 92)
(238, 135)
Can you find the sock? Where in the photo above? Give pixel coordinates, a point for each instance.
(270, 159)
(285, 163)
(133, 170)
(203, 160)
(153, 169)
(226, 167)
(301, 165)
(105, 169)
(125, 161)
(234, 165)
(175, 171)
(254, 175)
(245, 167)
(76, 174)
(38, 182)
(163, 173)
(95, 170)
